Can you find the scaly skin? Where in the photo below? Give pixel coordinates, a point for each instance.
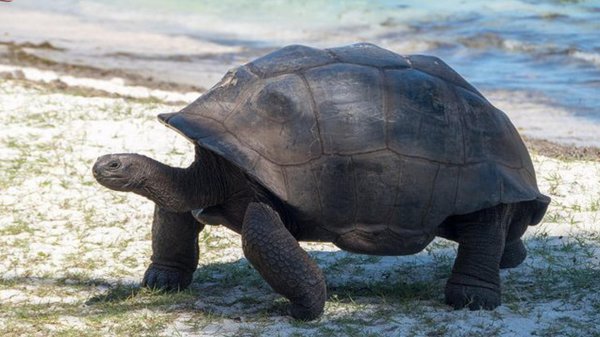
(174, 250)
(475, 279)
(514, 254)
(280, 260)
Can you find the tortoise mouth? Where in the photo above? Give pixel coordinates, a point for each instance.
(117, 183)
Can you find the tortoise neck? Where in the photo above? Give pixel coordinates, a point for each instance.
(201, 185)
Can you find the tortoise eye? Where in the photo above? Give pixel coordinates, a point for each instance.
(113, 165)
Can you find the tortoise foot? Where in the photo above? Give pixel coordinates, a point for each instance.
(514, 254)
(473, 297)
(166, 278)
(303, 313)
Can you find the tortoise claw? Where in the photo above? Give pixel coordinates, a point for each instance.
(461, 296)
(166, 278)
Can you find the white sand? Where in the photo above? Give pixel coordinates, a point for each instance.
(58, 225)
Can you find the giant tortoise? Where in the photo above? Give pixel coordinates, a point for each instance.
(373, 151)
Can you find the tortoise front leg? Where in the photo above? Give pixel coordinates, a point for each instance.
(174, 250)
(280, 260)
(475, 279)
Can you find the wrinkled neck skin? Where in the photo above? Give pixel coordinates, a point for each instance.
(207, 182)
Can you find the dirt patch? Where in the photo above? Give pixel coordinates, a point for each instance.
(560, 151)
(18, 54)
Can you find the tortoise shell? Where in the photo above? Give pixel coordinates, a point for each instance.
(359, 140)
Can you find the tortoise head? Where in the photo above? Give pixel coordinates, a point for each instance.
(125, 172)
(202, 184)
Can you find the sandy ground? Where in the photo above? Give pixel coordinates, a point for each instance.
(72, 252)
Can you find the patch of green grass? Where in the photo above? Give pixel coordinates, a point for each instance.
(568, 272)
(16, 228)
(554, 181)
(342, 264)
(249, 300)
(76, 261)
(34, 159)
(553, 216)
(568, 327)
(324, 331)
(211, 242)
(124, 310)
(229, 275)
(390, 291)
(594, 206)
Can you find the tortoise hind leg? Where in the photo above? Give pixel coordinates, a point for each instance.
(514, 254)
(475, 279)
(280, 260)
(174, 250)
(514, 251)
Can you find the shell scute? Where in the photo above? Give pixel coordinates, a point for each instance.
(423, 117)
(369, 55)
(289, 59)
(349, 107)
(278, 121)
